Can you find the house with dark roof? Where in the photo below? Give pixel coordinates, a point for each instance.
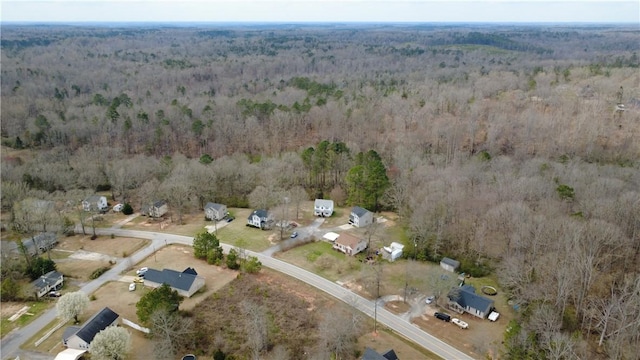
(186, 283)
(465, 299)
(213, 211)
(449, 264)
(360, 217)
(50, 281)
(350, 244)
(261, 219)
(370, 354)
(80, 338)
(155, 209)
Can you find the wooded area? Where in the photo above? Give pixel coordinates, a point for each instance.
(511, 148)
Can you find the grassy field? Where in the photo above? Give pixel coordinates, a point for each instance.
(320, 258)
(251, 238)
(8, 309)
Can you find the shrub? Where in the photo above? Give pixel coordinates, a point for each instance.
(127, 209)
(98, 272)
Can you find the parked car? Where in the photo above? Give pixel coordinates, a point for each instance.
(140, 272)
(294, 235)
(442, 316)
(132, 287)
(138, 279)
(54, 294)
(429, 299)
(117, 207)
(460, 323)
(230, 219)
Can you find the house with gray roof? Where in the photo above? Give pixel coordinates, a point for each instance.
(322, 207)
(95, 203)
(155, 209)
(80, 338)
(465, 299)
(50, 281)
(360, 217)
(186, 283)
(261, 219)
(449, 264)
(213, 211)
(370, 354)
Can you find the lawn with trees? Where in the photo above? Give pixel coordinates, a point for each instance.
(505, 147)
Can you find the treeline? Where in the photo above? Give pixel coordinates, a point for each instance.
(517, 163)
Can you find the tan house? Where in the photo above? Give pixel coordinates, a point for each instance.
(350, 244)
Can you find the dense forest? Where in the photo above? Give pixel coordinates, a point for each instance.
(512, 148)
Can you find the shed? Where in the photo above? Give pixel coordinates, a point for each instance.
(393, 251)
(449, 264)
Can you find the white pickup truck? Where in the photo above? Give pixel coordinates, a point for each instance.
(462, 324)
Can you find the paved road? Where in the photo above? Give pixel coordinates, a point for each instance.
(10, 345)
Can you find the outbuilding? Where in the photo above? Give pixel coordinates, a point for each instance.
(449, 264)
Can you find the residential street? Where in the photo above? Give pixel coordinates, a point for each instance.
(10, 344)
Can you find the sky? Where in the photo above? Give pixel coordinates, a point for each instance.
(297, 11)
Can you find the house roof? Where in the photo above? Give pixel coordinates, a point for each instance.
(175, 279)
(159, 203)
(349, 240)
(93, 198)
(190, 270)
(370, 354)
(97, 323)
(262, 214)
(323, 203)
(451, 262)
(214, 206)
(466, 296)
(47, 279)
(331, 236)
(359, 211)
(70, 331)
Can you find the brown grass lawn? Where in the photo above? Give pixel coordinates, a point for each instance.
(116, 296)
(385, 339)
(114, 247)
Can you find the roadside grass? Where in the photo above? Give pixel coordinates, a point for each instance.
(319, 258)
(387, 339)
(53, 344)
(115, 247)
(236, 232)
(35, 309)
(80, 269)
(59, 254)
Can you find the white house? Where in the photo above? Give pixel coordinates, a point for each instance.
(349, 244)
(449, 264)
(393, 251)
(50, 281)
(322, 207)
(360, 217)
(80, 338)
(261, 219)
(95, 203)
(156, 209)
(213, 211)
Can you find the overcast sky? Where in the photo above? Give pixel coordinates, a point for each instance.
(600, 11)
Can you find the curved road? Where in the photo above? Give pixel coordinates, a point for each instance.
(10, 344)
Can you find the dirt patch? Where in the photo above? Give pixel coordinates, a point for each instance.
(9, 308)
(113, 247)
(397, 307)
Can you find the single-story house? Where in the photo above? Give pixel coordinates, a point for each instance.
(360, 217)
(155, 209)
(349, 244)
(449, 264)
(261, 219)
(82, 337)
(322, 207)
(370, 354)
(465, 299)
(50, 281)
(95, 203)
(393, 251)
(213, 211)
(186, 283)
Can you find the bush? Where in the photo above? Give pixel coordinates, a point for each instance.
(475, 268)
(127, 209)
(98, 272)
